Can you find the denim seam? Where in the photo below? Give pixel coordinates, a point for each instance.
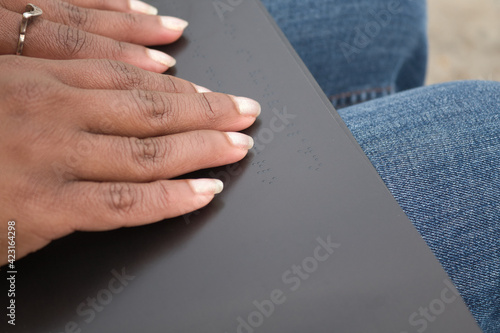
(355, 97)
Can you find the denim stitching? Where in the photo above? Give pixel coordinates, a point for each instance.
(345, 99)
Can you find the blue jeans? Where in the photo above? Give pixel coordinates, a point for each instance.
(437, 148)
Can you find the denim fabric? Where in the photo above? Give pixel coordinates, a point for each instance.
(360, 49)
(438, 151)
(437, 148)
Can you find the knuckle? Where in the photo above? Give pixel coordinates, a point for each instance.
(209, 104)
(118, 49)
(141, 100)
(122, 198)
(159, 109)
(166, 195)
(128, 21)
(147, 153)
(125, 76)
(73, 15)
(198, 140)
(168, 84)
(71, 40)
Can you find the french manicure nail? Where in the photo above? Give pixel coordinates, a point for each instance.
(206, 186)
(201, 89)
(240, 140)
(142, 7)
(161, 57)
(247, 106)
(174, 23)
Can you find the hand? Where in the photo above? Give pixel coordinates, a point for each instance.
(91, 144)
(106, 29)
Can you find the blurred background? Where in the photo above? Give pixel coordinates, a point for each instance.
(464, 37)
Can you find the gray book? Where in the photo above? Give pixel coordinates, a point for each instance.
(305, 237)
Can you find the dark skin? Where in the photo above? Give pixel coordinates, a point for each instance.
(66, 30)
(93, 144)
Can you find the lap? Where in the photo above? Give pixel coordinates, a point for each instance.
(437, 148)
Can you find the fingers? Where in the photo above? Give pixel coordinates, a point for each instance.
(140, 113)
(109, 74)
(142, 160)
(106, 206)
(142, 7)
(50, 40)
(126, 6)
(126, 27)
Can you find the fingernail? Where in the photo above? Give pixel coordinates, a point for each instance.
(201, 89)
(161, 57)
(247, 106)
(206, 186)
(142, 7)
(240, 140)
(174, 23)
